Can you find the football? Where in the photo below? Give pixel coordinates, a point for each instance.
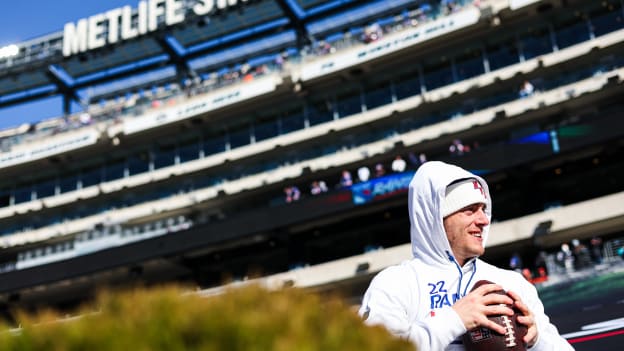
(485, 339)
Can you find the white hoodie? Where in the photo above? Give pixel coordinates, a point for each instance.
(413, 299)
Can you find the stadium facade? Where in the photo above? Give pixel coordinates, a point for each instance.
(216, 139)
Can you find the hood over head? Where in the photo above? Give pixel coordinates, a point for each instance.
(426, 203)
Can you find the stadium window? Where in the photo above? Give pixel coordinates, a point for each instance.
(407, 85)
(292, 121)
(319, 111)
(266, 128)
(68, 183)
(469, 63)
(349, 103)
(571, 30)
(239, 136)
(164, 156)
(45, 189)
(189, 150)
(407, 124)
(23, 194)
(535, 41)
(437, 73)
(138, 163)
(91, 176)
(213, 144)
(378, 94)
(606, 18)
(501, 52)
(114, 169)
(5, 198)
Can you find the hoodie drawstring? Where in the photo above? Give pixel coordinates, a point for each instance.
(461, 275)
(474, 271)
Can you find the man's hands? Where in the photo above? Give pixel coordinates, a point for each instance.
(527, 319)
(474, 308)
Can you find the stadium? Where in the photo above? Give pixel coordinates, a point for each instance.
(273, 140)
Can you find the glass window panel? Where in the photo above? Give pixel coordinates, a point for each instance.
(570, 31)
(138, 163)
(114, 170)
(164, 156)
(45, 189)
(379, 95)
(320, 111)
(239, 137)
(535, 41)
(349, 104)
(607, 18)
(292, 121)
(91, 176)
(23, 194)
(438, 73)
(502, 53)
(68, 183)
(5, 197)
(469, 64)
(189, 150)
(213, 144)
(266, 128)
(407, 85)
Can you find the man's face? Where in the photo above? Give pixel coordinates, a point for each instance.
(464, 230)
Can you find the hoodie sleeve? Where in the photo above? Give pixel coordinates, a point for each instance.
(392, 301)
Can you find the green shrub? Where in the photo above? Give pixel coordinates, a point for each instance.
(245, 319)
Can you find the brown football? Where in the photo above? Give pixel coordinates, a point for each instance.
(485, 339)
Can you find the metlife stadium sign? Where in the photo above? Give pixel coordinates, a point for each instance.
(125, 23)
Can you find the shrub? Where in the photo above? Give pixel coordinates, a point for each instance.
(245, 319)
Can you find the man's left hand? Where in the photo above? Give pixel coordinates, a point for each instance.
(527, 319)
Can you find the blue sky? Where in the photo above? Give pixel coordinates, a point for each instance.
(27, 19)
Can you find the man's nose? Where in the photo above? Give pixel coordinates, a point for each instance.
(482, 218)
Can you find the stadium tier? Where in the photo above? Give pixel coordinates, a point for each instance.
(273, 140)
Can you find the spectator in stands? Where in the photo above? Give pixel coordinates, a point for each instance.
(324, 48)
(85, 118)
(363, 173)
(417, 161)
(515, 262)
(380, 170)
(596, 249)
(280, 59)
(457, 148)
(292, 193)
(565, 257)
(540, 263)
(450, 6)
(345, 179)
(526, 89)
(372, 33)
(398, 164)
(428, 299)
(318, 187)
(582, 257)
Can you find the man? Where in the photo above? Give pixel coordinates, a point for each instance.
(428, 299)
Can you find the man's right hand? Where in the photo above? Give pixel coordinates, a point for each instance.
(474, 308)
